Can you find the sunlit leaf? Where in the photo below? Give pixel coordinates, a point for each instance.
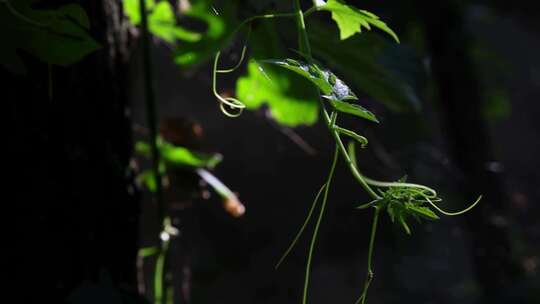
(331, 86)
(180, 156)
(291, 98)
(389, 73)
(162, 21)
(353, 109)
(132, 10)
(218, 29)
(309, 71)
(351, 20)
(287, 105)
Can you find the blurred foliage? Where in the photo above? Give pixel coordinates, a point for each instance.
(494, 73)
(58, 36)
(173, 156)
(219, 26)
(192, 47)
(161, 21)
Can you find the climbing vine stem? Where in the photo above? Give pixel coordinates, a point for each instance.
(370, 274)
(318, 224)
(151, 116)
(400, 199)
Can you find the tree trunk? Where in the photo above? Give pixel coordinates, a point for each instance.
(76, 225)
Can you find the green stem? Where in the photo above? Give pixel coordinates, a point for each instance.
(304, 225)
(265, 16)
(159, 273)
(151, 114)
(370, 273)
(345, 156)
(305, 48)
(310, 11)
(303, 40)
(318, 224)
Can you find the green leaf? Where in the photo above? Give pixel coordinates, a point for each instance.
(359, 138)
(309, 71)
(147, 177)
(404, 224)
(350, 20)
(76, 13)
(291, 99)
(398, 214)
(370, 204)
(353, 109)
(423, 212)
(132, 10)
(161, 21)
(218, 31)
(288, 105)
(147, 251)
(389, 73)
(392, 212)
(179, 156)
(57, 37)
(331, 86)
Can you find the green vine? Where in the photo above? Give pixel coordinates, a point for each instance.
(400, 199)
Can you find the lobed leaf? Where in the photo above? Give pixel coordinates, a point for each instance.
(350, 19)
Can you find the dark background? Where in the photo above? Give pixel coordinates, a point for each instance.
(79, 217)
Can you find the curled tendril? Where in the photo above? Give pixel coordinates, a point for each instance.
(230, 106)
(428, 194)
(457, 212)
(229, 103)
(423, 190)
(242, 56)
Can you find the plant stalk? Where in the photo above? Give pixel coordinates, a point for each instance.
(303, 42)
(151, 113)
(151, 116)
(318, 224)
(370, 273)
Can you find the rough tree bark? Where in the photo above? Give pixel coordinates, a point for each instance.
(76, 221)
